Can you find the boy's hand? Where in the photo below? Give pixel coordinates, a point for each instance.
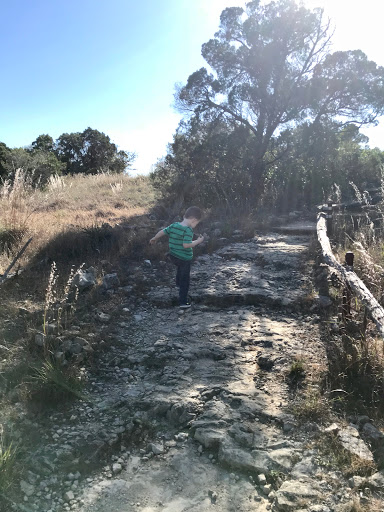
(200, 239)
(152, 241)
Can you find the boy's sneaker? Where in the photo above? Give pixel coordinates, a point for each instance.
(185, 306)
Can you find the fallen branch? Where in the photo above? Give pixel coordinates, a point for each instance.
(18, 255)
(356, 284)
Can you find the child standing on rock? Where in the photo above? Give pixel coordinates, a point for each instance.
(180, 249)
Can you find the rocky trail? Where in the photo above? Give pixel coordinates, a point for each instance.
(193, 411)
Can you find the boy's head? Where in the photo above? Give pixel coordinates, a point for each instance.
(193, 215)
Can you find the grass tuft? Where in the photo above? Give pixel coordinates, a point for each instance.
(7, 461)
(313, 406)
(51, 383)
(335, 456)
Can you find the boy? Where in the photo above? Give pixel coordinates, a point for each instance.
(180, 249)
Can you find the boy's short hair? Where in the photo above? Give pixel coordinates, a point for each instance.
(193, 212)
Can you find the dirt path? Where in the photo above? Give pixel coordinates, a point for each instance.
(193, 411)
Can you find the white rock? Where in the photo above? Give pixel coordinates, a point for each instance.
(116, 468)
(69, 496)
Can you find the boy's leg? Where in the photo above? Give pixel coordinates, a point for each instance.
(176, 261)
(184, 270)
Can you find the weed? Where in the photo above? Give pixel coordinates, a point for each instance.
(7, 461)
(50, 296)
(297, 370)
(313, 406)
(60, 305)
(50, 383)
(334, 455)
(275, 478)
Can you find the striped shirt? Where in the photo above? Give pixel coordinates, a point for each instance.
(179, 235)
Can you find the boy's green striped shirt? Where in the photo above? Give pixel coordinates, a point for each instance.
(179, 235)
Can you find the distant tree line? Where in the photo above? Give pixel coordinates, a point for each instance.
(275, 118)
(88, 152)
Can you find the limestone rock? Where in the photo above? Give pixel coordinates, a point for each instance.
(103, 317)
(117, 468)
(377, 480)
(155, 448)
(85, 279)
(210, 437)
(69, 496)
(350, 440)
(26, 488)
(293, 494)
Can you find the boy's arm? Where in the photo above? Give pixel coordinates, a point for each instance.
(194, 243)
(157, 236)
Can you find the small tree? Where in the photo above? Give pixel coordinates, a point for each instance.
(91, 152)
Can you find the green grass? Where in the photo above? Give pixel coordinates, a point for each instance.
(50, 383)
(7, 462)
(297, 370)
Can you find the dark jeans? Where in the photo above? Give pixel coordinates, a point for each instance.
(182, 277)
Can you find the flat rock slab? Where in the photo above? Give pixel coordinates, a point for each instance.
(294, 494)
(264, 270)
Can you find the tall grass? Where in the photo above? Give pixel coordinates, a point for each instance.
(356, 358)
(68, 204)
(60, 304)
(7, 461)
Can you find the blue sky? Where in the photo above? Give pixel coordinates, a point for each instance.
(67, 65)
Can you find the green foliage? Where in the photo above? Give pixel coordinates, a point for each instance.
(297, 370)
(356, 366)
(91, 152)
(4, 152)
(88, 152)
(38, 164)
(43, 143)
(273, 84)
(314, 157)
(207, 163)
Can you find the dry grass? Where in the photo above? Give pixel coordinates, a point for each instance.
(335, 456)
(311, 406)
(69, 204)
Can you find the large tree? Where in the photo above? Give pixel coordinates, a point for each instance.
(270, 69)
(91, 152)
